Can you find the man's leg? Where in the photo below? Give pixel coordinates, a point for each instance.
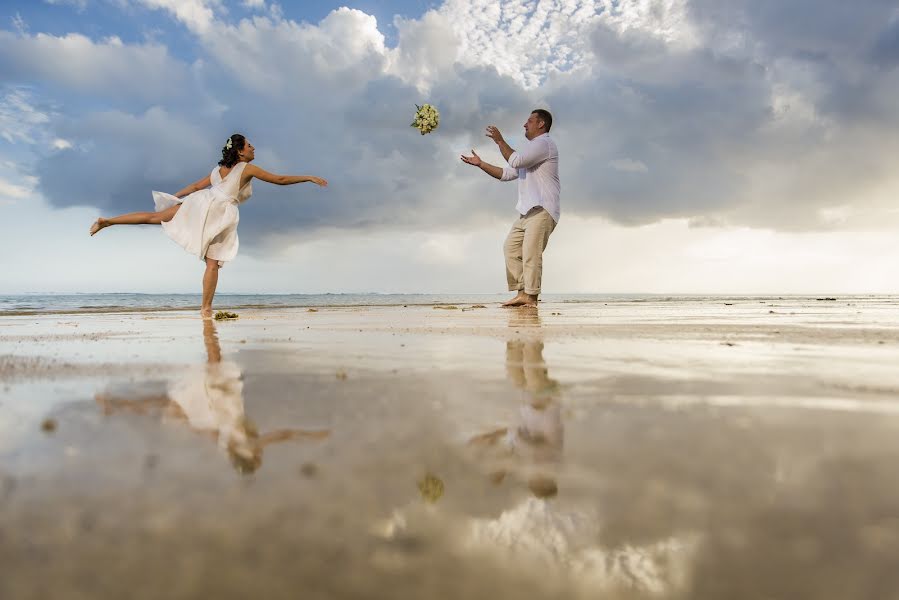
(537, 230)
(512, 251)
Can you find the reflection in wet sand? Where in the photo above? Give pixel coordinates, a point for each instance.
(549, 531)
(209, 398)
(532, 447)
(670, 468)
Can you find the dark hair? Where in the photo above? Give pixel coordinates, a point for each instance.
(229, 155)
(544, 116)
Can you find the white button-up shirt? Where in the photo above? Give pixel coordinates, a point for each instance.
(536, 168)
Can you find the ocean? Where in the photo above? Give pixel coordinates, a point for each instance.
(29, 304)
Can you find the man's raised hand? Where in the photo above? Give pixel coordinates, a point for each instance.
(494, 134)
(474, 160)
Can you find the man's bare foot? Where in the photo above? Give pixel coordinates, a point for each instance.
(98, 225)
(522, 300)
(206, 313)
(520, 296)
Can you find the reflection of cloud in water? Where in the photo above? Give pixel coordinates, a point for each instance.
(541, 532)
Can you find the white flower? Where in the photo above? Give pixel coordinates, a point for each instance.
(228, 144)
(426, 118)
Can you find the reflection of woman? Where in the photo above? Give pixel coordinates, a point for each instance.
(210, 400)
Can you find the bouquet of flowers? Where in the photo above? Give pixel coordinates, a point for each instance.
(426, 118)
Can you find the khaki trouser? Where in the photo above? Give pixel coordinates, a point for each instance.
(524, 250)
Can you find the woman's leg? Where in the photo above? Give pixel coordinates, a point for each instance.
(136, 218)
(210, 280)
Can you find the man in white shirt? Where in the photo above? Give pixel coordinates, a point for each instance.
(536, 167)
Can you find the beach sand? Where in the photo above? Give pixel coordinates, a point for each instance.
(624, 450)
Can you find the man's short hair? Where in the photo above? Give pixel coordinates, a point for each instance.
(544, 116)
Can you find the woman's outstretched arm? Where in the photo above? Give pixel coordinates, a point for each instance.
(194, 187)
(253, 171)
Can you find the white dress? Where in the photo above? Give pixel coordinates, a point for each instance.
(211, 397)
(206, 223)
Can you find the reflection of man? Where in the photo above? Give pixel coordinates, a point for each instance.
(536, 439)
(536, 167)
(210, 400)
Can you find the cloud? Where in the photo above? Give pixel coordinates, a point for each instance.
(628, 165)
(19, 24)
(744, 123)
(764, 113)
(80, 5)
(522, 39)
(196, 15)
(12, 191)
(134, 153)
(100, 70)
(20, 119)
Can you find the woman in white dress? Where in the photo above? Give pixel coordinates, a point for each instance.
(203, 217)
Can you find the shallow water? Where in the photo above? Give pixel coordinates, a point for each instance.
(633, 452)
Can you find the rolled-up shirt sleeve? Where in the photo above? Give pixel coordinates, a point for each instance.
(534, 153)
(509, 174)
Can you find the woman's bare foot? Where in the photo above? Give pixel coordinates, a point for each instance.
(98, 225)
(206, 313)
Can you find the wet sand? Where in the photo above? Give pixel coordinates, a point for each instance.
(623, 450)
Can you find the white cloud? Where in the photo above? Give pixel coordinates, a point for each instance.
(254, 4)
(197, 15)
(529, 40)
(667, 20)
(343, 52)
(108, 69)
(20, 120)
(524, 39)
(78, 4)
(61, 144)
(427, 50)
(12, 191)
(629, 165)
(19, 24)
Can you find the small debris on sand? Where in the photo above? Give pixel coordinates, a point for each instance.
(48, 425)
(431, 488)
(312, 310)
(341, 375)
(223, 315)
(449, 307)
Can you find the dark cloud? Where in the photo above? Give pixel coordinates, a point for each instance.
(778, 110)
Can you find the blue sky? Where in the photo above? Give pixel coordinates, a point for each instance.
(706, 145)
(104, 18)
